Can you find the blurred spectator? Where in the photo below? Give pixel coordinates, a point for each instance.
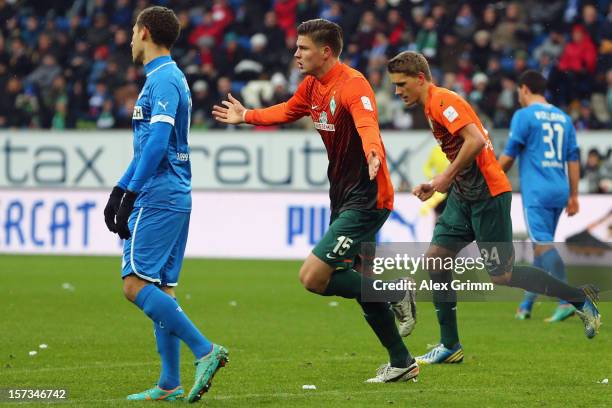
(481, 50)
(590, 20)
(45, 73)
(99, 33)
(97, 99)
(395, 27)
(609, 92)
(122, 14)
(280, 91)
(202, 104)
(427, 38)
(577, 66)
(77, 106)
(366, 31)
(307, 10)
(489, 19)
(553, 45)
(106, 119)
(228, 56)
(449, 52)
(506, 103)
(121, 48)
(465, 23)
(69, 64)
(477, 96)
(586, 120)
(593, 171)
(384, 99)
(12, 112)
(511, 33)
(274, 34)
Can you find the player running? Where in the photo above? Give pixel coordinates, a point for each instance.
(478, 206)
(544, 139)
(151, 204)
(341, 104)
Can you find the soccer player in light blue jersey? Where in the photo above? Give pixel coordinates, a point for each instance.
(151, 205)
(544, 139)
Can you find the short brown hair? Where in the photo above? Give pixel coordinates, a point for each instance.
(323, 32)
(409, 63)
(534, 81)
(162, 23)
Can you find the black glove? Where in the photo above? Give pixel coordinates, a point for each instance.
(123, 215)
(111, 208)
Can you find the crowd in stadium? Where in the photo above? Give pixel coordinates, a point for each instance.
(67, 64)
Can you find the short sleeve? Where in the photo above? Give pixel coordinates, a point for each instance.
(573, 153)
(451, 111)
(519, 131)
(164, 102)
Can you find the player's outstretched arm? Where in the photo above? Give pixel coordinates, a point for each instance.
(232, 112)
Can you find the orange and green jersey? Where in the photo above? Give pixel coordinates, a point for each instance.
(343, 109)
(448, 113)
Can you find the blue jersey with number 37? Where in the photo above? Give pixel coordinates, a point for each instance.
(544, 139)
(165, 97)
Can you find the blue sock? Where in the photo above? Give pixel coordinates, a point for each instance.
(530, 297)
(553, 264)
(163, 309)
(169, 349)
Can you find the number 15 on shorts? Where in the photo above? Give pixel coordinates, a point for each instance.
(343, 245)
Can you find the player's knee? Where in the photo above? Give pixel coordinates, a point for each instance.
(502, 279)
(311, 281)
(131, 287)
(435, 260)
(129, 292)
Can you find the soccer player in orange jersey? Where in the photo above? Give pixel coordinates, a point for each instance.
(341, 104)
(478, 206)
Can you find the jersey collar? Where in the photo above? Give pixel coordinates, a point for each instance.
(427, 105)
(155, 64)
(333, 72)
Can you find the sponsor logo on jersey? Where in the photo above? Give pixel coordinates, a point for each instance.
(137, 114)
(332, 106)
(450, 113)
(322, 123)
(367, 103)
(182, 156)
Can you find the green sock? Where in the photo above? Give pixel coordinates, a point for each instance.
(445, 302)
(539, 281)
(382, 321)
(345, 283)
(447, 318)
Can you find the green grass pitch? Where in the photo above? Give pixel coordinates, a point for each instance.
(280, 337)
